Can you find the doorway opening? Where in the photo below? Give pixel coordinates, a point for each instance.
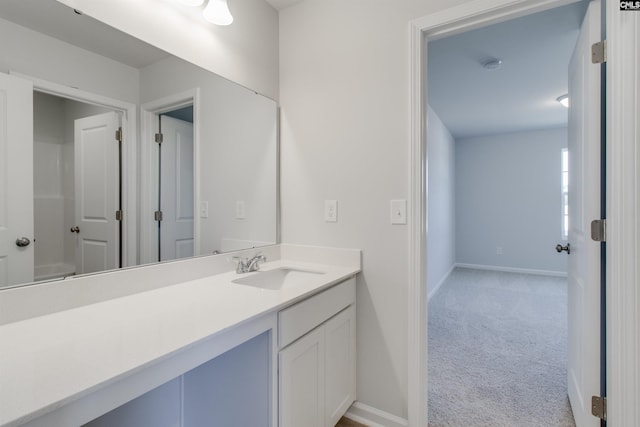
(485, 62)
(175, 218)
(171, 211)
(77, 187)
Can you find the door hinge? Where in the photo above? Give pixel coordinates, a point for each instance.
(159, 138)
(599, 407)
(118, 215)
(157, 215)
(119, 135)
(599, 230)
(599, 52)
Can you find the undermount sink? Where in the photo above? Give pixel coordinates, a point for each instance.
(278, 278)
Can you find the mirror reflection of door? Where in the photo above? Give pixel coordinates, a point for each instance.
(176, 185)
(97, 193)
(67, 179)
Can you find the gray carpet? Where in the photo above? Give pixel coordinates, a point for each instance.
(497, 351)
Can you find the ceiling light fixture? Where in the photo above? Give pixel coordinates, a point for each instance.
(192, 2)
(492, 64)
(217, 12)
(564, 100)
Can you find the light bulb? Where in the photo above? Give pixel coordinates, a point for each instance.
(217, 12)
(564, 100)
(191, 2)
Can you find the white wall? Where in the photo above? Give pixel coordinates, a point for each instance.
(48, 188)
(245, 52)
(344, 93)
(37, 55)
(441, 224)
(508, 195)
(238, 151)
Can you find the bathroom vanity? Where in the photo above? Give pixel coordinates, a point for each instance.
(186, 343)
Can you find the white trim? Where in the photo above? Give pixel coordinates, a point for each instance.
(513, 270)
(129, 167)
(417, 255)
(373, 417)
(464, 17)
(437, 287)
(149, 112)
(623, 210)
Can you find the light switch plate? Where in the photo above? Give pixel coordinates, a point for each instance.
(240, 213)
(398, 212)
(204, 209)
(331, 211)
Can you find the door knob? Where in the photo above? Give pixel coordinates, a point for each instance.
(22, 242)
(561, 248)
(75, 229)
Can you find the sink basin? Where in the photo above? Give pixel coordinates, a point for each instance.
(278, 278)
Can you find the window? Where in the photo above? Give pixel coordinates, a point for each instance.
(565, 194)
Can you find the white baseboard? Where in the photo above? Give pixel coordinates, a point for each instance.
(436, 288)
(372, 417)
(513, 270)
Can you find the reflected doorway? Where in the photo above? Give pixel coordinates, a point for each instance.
(77, 187)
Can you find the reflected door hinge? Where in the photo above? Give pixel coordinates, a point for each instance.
(599, 52)
(599, 230)
(157, 215)
(119, 135)
(119, 215)
(599, 407)
(159, 138)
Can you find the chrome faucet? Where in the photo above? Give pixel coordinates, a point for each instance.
(246, 265)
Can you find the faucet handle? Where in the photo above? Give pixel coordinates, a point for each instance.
(241, 265)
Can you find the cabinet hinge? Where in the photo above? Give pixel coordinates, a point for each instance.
(599, 230)
(118, 215)
(599, 52)
(157, 215)
(119, 135)
(159, 138)
(599, 407)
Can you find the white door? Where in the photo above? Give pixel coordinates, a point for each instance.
(176, 190)
(584, 206)
(16, 180)
(97, 193)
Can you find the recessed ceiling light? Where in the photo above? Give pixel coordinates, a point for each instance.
(564, 100)
(492, 64)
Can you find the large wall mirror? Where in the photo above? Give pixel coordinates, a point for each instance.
(118, 154)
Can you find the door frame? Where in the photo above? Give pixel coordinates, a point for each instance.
(622, 170)
(129, 159)
(149, 112)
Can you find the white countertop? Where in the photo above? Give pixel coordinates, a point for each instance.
(49, 360)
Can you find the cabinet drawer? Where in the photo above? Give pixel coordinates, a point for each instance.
(302, 317)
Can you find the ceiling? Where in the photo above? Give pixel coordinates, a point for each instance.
(281, 4)
(521, 95)
(59, 21)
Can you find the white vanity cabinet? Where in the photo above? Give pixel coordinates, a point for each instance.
(317, 378)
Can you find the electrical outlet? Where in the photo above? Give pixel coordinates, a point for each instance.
(331, 211)
(499, 250)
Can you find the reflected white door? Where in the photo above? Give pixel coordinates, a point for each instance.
(584, 206)
(176, 190)
(16, 180)
(96, 192)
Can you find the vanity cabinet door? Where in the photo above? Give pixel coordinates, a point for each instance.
(302, 380)
(340, 362)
